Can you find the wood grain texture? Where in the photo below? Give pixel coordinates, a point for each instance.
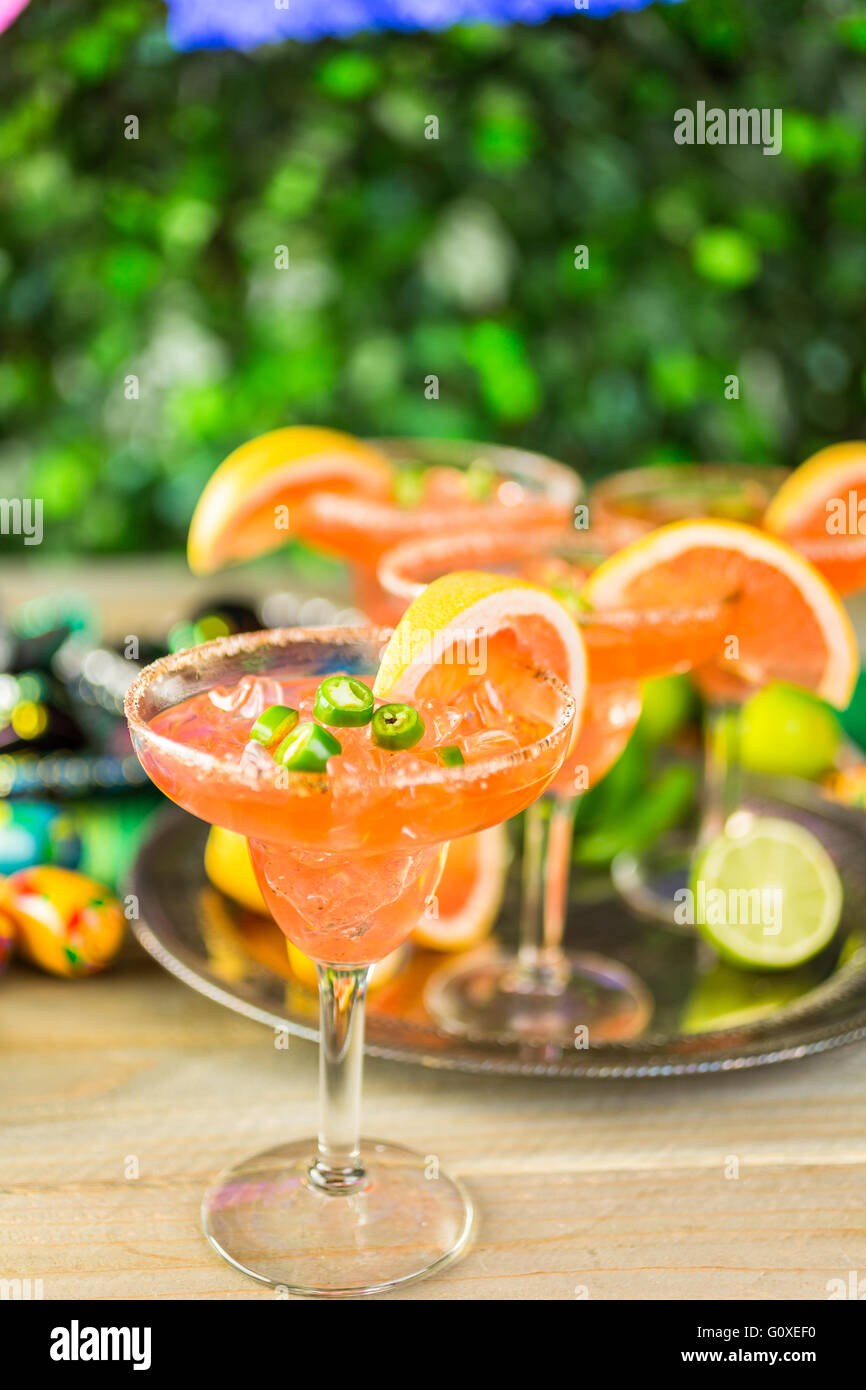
(584, 1190)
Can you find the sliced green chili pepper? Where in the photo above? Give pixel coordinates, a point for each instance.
(343, 702)
(479, 481)
(307, 749)
(571, 598)
(409, 482)
(397, 726)
(450, 756)
(273, 724)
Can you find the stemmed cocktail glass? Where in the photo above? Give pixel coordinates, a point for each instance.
(545, 995)
(627, 505)
(346, 857)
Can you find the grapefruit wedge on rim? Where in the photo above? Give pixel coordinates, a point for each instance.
(236, 517)
(787, 621)
(818, 509)
(470, 623)
(799, 507)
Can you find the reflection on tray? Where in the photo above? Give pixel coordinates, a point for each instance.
(233, 935)
(720, 997)
(707, 1018)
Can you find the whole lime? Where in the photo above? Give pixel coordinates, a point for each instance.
(667, 703)
(787, 731)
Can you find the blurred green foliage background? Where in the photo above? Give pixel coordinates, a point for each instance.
(411, 256)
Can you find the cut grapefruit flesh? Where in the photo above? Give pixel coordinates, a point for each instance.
(469, 895)
(468, 620)
(818, 509)
(786, 622)
(799, 508)
(841, 559)
(237, 517)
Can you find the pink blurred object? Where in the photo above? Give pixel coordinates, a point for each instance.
(9, 11)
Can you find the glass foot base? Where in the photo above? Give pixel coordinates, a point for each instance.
(594, 1000)
(649, 881)
(265, 1217)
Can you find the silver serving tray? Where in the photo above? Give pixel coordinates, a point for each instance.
(238, 959)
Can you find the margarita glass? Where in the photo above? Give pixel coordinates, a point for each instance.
(440, 486)
(632, 504)
(346, 858)
(627, 505)
(543, 995)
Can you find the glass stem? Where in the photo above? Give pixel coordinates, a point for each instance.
(549, 833)
(722, 792)
(337, 1168)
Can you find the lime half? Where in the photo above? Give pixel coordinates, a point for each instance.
(765, 893)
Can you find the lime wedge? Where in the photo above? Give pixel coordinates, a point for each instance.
(766, 893)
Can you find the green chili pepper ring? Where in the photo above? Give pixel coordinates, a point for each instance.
(450, 756)
(397, 727)
(307, 749)
(273, 724)
(343, 702)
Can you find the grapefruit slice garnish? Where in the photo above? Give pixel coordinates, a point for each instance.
(469, 895)
(248, 504)
(821, 509)
(787, 622)
(800, 507)
(470, 623)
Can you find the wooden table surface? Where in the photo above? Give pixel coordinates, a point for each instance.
(123, 1095)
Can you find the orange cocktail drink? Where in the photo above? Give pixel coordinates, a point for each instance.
(348, 800)
(543, 994)
(821, 509)
(347, 858)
